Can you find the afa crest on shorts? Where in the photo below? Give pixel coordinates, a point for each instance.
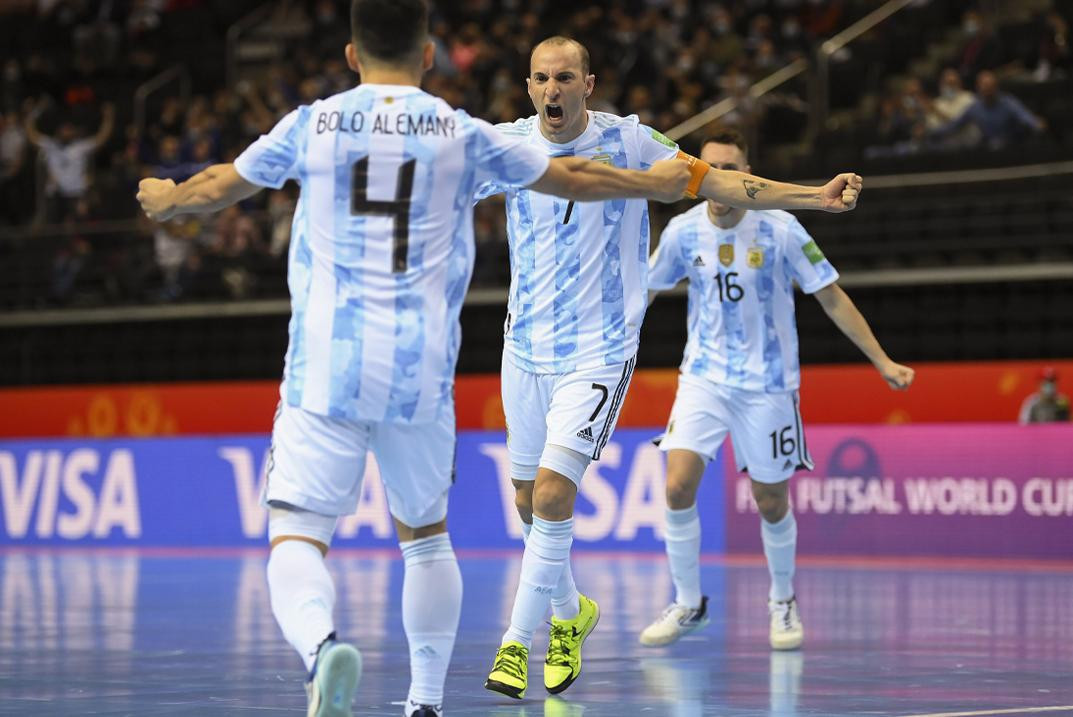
(726, 254)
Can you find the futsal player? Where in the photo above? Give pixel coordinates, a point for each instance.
(381, 256)
(740, 377)
(576, 301)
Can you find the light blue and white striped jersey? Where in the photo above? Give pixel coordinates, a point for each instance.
(382, 244)
(578, 269)
(742, 328)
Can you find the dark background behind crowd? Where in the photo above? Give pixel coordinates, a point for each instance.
(941, 82)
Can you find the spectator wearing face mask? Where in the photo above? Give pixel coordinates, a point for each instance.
(1001, 118)
(950, 104)
(981, 48)
(1047, 405)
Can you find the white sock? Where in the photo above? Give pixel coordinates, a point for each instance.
(565, 601)
(302, 596)
(547, 551)
(682, 535)
(431, 604)
(780, 547)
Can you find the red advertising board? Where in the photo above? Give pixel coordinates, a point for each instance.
(943, 392)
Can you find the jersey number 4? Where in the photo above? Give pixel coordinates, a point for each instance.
(397, 208)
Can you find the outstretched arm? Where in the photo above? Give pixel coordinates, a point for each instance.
(849, 320)
(588, 181)
(210, 190)
(32, 133)
(747, 191)
(107, 125)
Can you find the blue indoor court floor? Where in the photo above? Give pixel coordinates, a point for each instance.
(118, 633)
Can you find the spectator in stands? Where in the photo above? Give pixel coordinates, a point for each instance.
(726, 46)
(953, 98)
(172, 244)
(67, 157)
(1047, 405)
(1000, 117)
(14, 170)
(1055, 48)
(981, 48)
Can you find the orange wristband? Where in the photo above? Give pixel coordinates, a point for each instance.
(697, 170)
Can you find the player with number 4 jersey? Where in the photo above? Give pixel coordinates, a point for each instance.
(579, 278)
(381, 255)
(740, 377)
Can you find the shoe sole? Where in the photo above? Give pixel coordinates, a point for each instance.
(339, 677)
(794, 644)
(503, 689)
(656, 643)
(560, 688)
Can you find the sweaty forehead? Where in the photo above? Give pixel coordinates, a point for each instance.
(714, 153)
(552, 59)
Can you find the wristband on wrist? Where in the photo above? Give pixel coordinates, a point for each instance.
(697, 170)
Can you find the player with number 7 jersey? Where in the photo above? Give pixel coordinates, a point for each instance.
(380, 259)
(577, 298)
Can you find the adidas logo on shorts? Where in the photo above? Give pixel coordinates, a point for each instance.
(787, 464)
(698, 261)
(585, 433)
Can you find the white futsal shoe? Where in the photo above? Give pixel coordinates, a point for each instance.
(675, 622)
(787, 632)
(333, 679)
(412, 709)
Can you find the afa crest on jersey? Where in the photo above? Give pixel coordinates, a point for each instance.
(755, 258)
(602, 158)
(726, 254)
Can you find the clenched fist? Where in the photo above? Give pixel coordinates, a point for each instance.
(155, 196)
(670, 177)
(840, 194)
(897, 376)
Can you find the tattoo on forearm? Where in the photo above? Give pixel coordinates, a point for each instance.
(752, 188)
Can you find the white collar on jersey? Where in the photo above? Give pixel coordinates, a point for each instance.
(591, 132)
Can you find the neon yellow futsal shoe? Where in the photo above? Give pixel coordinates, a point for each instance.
(563, 662)
(510, 671)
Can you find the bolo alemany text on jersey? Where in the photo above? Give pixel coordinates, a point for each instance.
(386, 124)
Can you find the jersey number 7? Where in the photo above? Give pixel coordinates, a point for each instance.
(398, 208)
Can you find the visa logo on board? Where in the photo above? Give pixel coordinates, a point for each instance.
(54, 493)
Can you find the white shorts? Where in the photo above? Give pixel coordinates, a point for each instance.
(317, 463)
(765, 428)
(576, 410)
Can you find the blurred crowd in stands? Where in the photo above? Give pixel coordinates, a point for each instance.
(72, 146)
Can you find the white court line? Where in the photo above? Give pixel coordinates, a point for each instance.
(1015, 711)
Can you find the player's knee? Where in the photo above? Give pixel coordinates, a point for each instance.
(286, 522)
(407, 533)
(523, 500)
(773, 501)
(553, 497)
(681, 492)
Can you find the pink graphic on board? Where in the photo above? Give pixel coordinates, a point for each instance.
(968, 490)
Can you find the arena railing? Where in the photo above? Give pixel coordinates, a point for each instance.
(819, 81)
(175, 73)
(877, 278)
(234, 37)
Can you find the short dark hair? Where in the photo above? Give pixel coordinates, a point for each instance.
(389, 30)
(727, 135)
(561, 40)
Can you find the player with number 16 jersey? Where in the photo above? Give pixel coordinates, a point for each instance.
(740, 377)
